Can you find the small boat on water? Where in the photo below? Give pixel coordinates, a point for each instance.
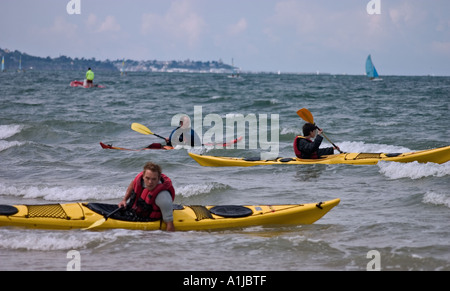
(371, 71)
(83, 84)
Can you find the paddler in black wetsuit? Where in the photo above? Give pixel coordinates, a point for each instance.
(306, 148)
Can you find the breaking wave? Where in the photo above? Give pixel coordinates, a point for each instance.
(413, 170)
(59, 193)
(436, 199)
(7, 131)
(207, 188)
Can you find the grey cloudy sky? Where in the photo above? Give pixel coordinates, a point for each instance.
(409, 37)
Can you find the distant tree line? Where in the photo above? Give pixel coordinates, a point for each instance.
(64, 63)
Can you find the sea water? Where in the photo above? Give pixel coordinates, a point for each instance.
(50, 153)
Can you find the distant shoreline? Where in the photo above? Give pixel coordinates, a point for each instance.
(64, 63)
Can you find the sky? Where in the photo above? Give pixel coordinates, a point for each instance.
(404, 37)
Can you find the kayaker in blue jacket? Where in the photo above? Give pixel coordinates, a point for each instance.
(306, 148)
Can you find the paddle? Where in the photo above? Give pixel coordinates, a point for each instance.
(307, 116)
(102, 220)
(144, 129)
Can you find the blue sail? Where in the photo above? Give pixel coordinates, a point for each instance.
(371, 72)
(3, 63)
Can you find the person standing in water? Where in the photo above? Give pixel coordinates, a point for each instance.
(90, 78)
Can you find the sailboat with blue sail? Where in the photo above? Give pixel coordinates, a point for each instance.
(3, 64)
(371, 71)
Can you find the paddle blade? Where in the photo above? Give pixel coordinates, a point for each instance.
(306, 115)
(96, 224)
(140, 128)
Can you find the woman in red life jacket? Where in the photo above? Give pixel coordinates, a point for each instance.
(151, 195)
(305, 148)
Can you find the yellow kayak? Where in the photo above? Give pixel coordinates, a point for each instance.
(437, 155)
(83, 215)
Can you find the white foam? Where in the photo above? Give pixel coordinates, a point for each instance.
(86, 193)
(362, 147)
(290, 130)
(42, 242)
(413, 170)
(60, 193)
(192, 190)
(386, 123)
(9, 130)
(9, 144)
(51, 241)
(436, 199)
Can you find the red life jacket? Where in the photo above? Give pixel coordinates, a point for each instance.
(144, 204)
(298, 153)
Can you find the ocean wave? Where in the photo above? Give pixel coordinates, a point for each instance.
(41, 242)
(413, 170)
(385, 123)
(86, 193)
(265, 102)
(199, 189)
(9, 130)
(56, 241)
(290, 131)
(60, 193)
(9, 144)
(436, 199)
(362, 147)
